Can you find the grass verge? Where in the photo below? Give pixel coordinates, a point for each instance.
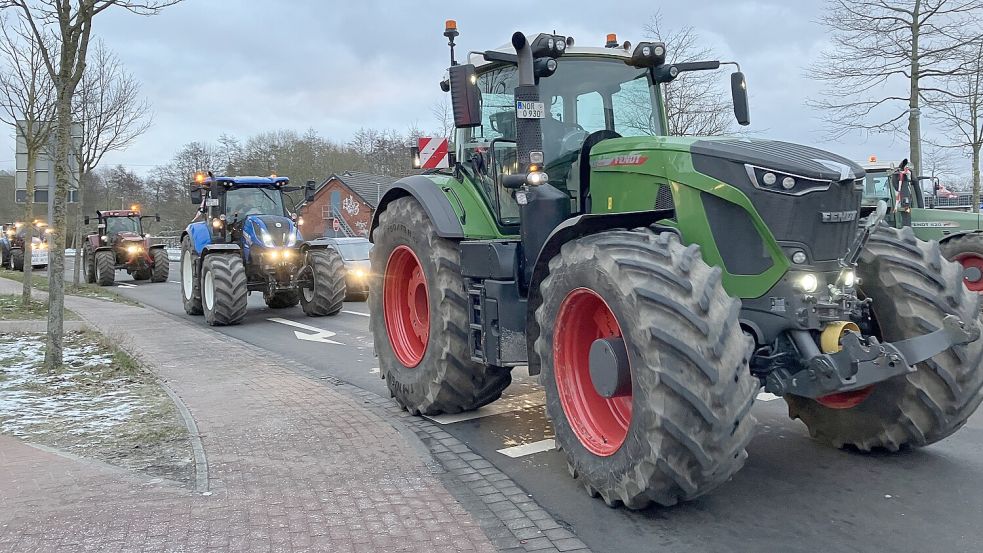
(83, 290)
(12, 309)
(101, 404)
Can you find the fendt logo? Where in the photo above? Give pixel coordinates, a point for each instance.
(616, 161)
(839, 216)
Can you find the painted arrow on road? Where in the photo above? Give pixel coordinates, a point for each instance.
(320, 335)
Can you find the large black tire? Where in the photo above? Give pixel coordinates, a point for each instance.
(223, 289)
(190, 279)
(89, 263)
(691, 388)
(967, 249)
(281, 300)
(445, 380)
(3, 257)
(161, 268)
(327, 297)
(17, 259)
(105, 261)
(912, 288)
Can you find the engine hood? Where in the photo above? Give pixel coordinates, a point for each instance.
(279, 229)
(780, 156)
(128, 237)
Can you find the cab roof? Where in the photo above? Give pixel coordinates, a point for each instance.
(118, 213)
(593, 51)
(243, 182)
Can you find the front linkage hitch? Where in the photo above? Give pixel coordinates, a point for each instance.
(859, 365)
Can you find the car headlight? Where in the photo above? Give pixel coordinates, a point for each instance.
(291, 239)
(266, 238)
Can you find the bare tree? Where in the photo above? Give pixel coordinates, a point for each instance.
(696, 104)
(877, 47)
(442, 114)
(111, 114)
(960, 112)
(72, 27)
(28, 101)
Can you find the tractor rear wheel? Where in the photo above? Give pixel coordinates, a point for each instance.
(17, 259)
(912, 288)
(89, 263)
(678, 421)
(420, 318)
(161, 268)
(190, 284)
(967, 250)
(326, 296)
(281, 300)
(223, 289)
(105, 261)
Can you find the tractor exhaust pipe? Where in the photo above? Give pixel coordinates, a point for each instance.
(529, 131)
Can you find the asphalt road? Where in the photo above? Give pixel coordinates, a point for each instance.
(792, 496)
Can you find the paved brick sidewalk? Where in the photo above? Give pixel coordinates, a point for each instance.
(292, 465)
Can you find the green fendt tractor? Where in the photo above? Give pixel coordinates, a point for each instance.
(958, 232)
(657, 283)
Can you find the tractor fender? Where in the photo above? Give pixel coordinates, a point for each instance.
(434, 202)
(200, 236)
(315, 245)
(571, 229)
(157, 247)
(103, 249)
(220, 248)
(948, 237)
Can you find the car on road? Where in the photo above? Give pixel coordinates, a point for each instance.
(355, 254)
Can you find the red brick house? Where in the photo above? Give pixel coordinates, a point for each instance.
(349, 198)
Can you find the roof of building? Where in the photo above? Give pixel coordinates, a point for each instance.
(368, 186)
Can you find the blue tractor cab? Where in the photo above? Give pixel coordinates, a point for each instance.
(247, 240)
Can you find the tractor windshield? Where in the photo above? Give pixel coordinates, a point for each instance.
(116, 225)
(584, 95)
(877, 186)
(240, 202)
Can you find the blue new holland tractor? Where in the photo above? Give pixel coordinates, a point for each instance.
(246, 240)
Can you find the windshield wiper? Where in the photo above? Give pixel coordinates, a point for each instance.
(263, 190)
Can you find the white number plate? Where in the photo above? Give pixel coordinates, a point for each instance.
(530, 110)
(211, 202)
(39, 257)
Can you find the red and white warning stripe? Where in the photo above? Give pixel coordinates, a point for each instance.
(433, 153)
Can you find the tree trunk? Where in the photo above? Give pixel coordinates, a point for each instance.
(976, 176)
(56, 268)
(914, 114)
(32, 161)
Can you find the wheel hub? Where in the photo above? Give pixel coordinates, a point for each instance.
(609, 371)
(972, 270)
(406, 304)
(586, 325)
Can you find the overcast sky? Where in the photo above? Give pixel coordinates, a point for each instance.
(246, 66)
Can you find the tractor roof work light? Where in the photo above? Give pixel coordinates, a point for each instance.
(648, 54)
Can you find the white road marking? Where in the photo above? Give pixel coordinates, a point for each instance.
(320, 335)
(124, 285)
(374, 370)
(507, 405)
(766, 396)
(355, 313)
(174, 281)
(529, 449)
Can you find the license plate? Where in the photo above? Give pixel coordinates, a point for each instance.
(39, 257)
(530, 110)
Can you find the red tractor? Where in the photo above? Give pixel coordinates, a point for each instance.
(120, 243)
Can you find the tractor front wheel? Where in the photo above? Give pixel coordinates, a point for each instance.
(912, 288)
(190, 284)
(17, 260)
(420, 318)
(326, 294)
(645, 368)
(161, 268)
(967, 250)
(105, 261)
(89, 263)
(223, 289)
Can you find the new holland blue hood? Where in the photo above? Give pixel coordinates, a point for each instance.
(281, 231)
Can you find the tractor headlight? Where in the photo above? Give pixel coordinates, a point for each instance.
(266, 238)
(216, 223)
(273, 255)
(807, 282)
(358, 273)
(783, 183)
(104, 238)
(537, 178)
(133, 250)
(848, 277)
(799, 257)
(291, 239)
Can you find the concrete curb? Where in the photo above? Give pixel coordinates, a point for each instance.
(201, 461)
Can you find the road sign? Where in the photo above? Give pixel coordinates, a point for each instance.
(336, 225)
(433, 153)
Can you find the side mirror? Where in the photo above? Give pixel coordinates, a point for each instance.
(86, 220)
(196, 195)
(738, 91)
(465, 98)
(309, 190)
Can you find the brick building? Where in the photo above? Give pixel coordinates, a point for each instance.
(349, 198)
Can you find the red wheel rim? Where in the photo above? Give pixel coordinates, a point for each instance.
(406, 303)
(600, 423)
(845, 400)
(972, 261)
